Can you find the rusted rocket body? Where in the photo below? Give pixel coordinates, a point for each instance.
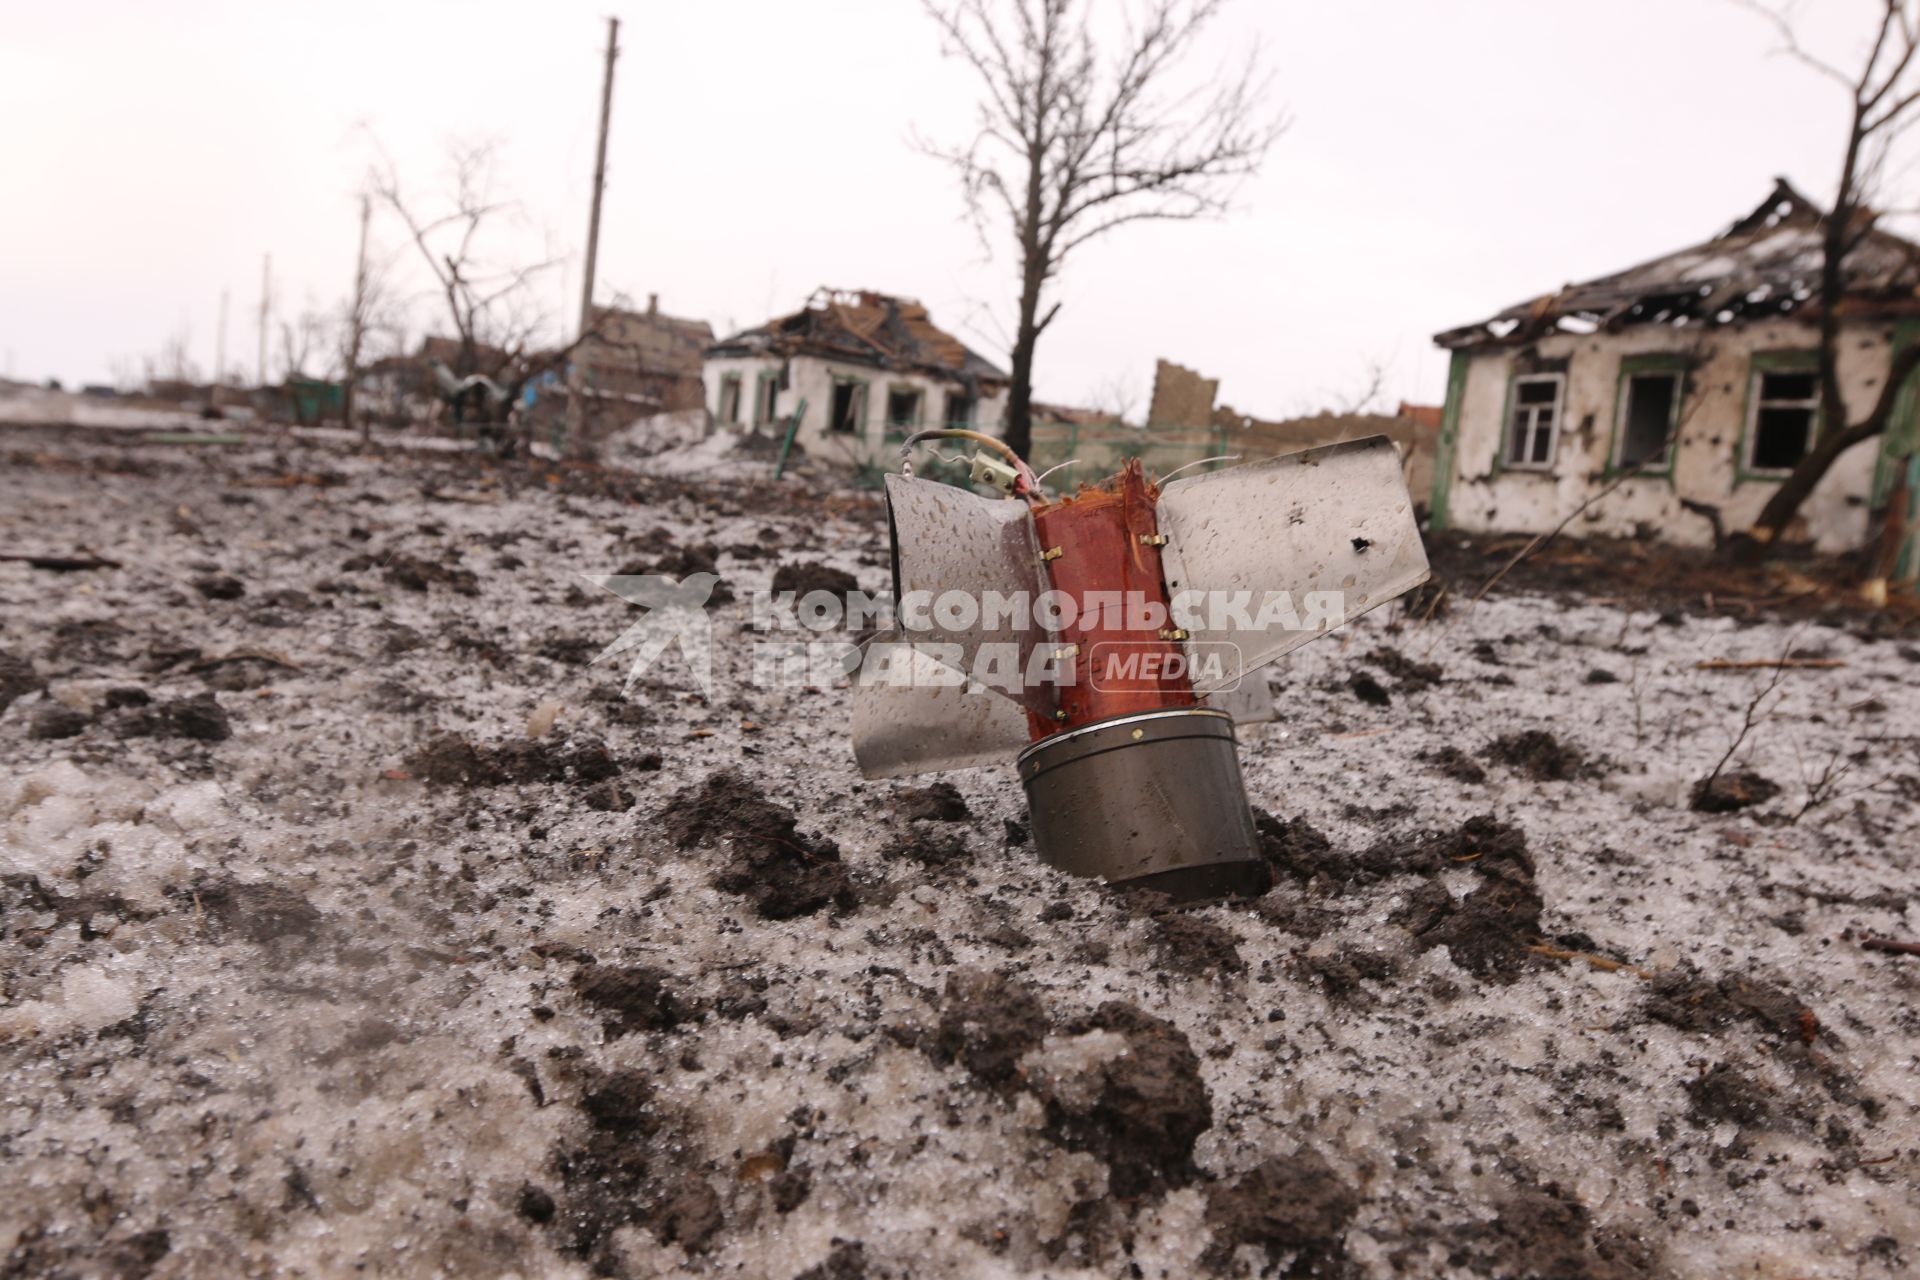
(1158, 604)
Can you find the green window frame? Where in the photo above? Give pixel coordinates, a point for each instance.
(1760, 364)
(766, 398)
(858, 407)
(1651, 366)
(728, 410)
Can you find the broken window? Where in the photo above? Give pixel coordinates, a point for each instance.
(1536, 413)
(849, 407)
(959, 409)
(1785, 406)
(1649, 414)
(729, 408)
(903, 407)
(766, 394)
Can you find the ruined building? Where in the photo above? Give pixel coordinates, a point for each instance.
(869, 368)
(1701, 368)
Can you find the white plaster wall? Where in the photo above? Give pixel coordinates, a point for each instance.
(812, 379)
(1834, 517)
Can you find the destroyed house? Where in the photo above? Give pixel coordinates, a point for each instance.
(862, 370)
(1691, 380)
(645, 361)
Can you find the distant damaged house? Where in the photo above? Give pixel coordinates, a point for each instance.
(1694, 376)
(643, 362)
(869, 369)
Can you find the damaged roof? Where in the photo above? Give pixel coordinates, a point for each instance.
(1764, 266)
(861, 326)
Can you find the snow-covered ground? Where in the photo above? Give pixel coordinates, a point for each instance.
(448, 960)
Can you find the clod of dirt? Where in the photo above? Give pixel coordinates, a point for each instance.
(257, 912)
(683, 562)
(1686, 999)
(847, 1261)
(781, 872)
(607, 797)
(1195, 946)
(1413, 676)
(688, 1214)
(988, 1021)
(450, 760)
(1541, 1231)
(1296, 848)
(535, 1204)
(1456, 764)
(54, 721)
(1486, 931)
(1540, 756)
(219, 586)
(1723, 1093)
(606, 1176)
(200, 717)
(17, 679)
(1292, 1205)
(934, 847)
(1369, 690)
(634, 999)
(1600, 675)
(940, 802)
(806, 577)
(1141, 1110)
(1732, 791)
(1340, 975)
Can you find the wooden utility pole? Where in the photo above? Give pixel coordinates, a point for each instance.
(266, 302)
(576, 416)
(357, 322)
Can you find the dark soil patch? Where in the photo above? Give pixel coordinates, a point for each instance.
(1411, 676)
(450, 760)
(607, 797)
(1488, 930)
(941, 802)
(1290, 1205)
(1540, 756)
(1195, 946)
(1145, 1108)
(782, 873)
(633, 999)
(1723, 1093)
(1369, 690)
(200, 718)
(1686, 999)
(1542, 1231)
(988, 1021)
(1341, 975)
(257, 912)
(1732, 791)
(1454, 763)
(17, 679)
(933, 847)
(1296, 848)
(846, 1261)
(805, 577)
(54, 722)
(219, 586)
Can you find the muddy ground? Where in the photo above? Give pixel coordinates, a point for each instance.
(352, 921)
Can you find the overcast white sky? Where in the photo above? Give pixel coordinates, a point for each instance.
(1444, 160)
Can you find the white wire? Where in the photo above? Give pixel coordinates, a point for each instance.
(1050, 470)
(1199, 462)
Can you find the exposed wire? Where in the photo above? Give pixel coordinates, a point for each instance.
(1200, 462)
(978, 437)
(1058, 466)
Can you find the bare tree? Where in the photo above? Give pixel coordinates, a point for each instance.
(1884, 94)
(492, 306)
(1074, 141)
